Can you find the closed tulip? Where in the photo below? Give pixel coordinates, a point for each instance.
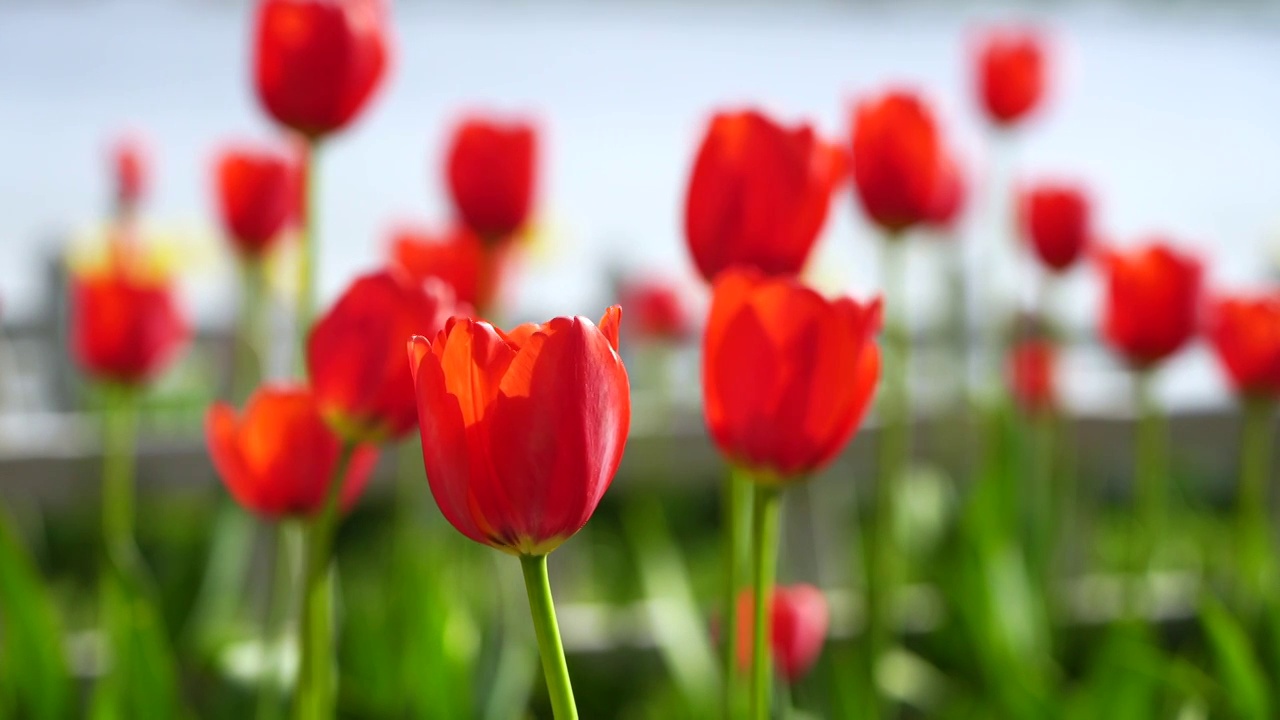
(787, 374)
(1152, 301)
(492, 174)
(126, 324)
(657, 311)
(949, 200)
(1244, 331)
(256, 190)
(1055, 221)
(278, 457)
(457, 256)
(1033, 375)
(522, 431)
(1011, 75)
(798, 629)
(898, 160)
(129, 168)
(758, 195)
(355, 355)
(318, 62)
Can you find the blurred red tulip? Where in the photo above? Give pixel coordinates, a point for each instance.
(1055, 223)
(257, 191)
(522, 432)
(948, 202)
(656, 310)
(126, 325)
(355, 354)
(318, 62)
(492, 173)
(1033, 375)
(1245, 333)
(898, 161)
(758, 195)
(458, 257)
(1153, 294)
(1010, 74)
(798, 629)
(278, 458)
(787, 375)
(129, 170)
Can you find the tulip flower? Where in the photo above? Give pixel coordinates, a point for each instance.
(1055, 222)
(279, 457)
(355, 356)
(129, 167)
(473, 268)
(798, 616)
(318, 62)
(1033, 375)
(949, 201)
(256, 192)
(758, 194)
(899, 168)
(126, 325)
(492, 175)
(522, 432)
(1010, 75)
(1152, 301)
(657, 310)
(1244, 331)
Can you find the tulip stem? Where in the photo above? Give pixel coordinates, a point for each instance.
(282, 578)
(765, 519)
(1151, 478)
(308, 240)
(737, 504)
(1252, 502)
(541, 606)
(249, 336)
(315, 694)
(119, 429)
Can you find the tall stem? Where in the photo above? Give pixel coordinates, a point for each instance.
(308, 241)
(1149, 478)
(1252, 502)
(541, 606)
(282, 579)
(765, 518)
(737, 520)
(249, 359)
(315, 693)
(118, 432)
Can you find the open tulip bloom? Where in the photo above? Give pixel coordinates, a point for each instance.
(522, 432)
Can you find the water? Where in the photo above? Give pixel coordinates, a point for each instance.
(1170, 116)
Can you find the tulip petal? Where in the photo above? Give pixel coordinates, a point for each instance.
(610, 324)
(221, 433)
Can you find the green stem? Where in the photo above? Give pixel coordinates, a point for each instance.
(737, 518)
(1252, 502)
(282, 579)
(118, 437)
(765, 519)
(1150, 478)
(249, 333)
(1041, 531)
(308, 242)
(541, 606)
(315, 694)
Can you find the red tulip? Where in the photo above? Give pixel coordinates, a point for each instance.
(787, 374)
(355, 354)
(129, 170)
(798, 628)
(492, 174)
(523, 431)
(1153, 294)
(1055, 222)
(1245, 332)
(1033, 375)
(658, 310)
(1011, 75)
(758, 195)
(898, 161)
(948, 202)
(458, 256)
(126, 326)
(257, 195)
(318, 62)
(278, 458)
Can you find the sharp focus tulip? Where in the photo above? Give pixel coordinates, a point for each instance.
(521, 431)
(355, 355)
(1055, 223)
(318, 62)
(126, 325)
(1033, 375)
(758, 195)
(1011, 75)
(278, 457)
(798, 622)
(1245, 333)
(492, 175)
(129, 170)
(1152, 298)
(256, 194)
(473, 268)
(948, 202)
(656, 310)
(787, 374)
(898, 160)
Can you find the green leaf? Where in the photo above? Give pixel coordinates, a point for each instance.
(1239, 671)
